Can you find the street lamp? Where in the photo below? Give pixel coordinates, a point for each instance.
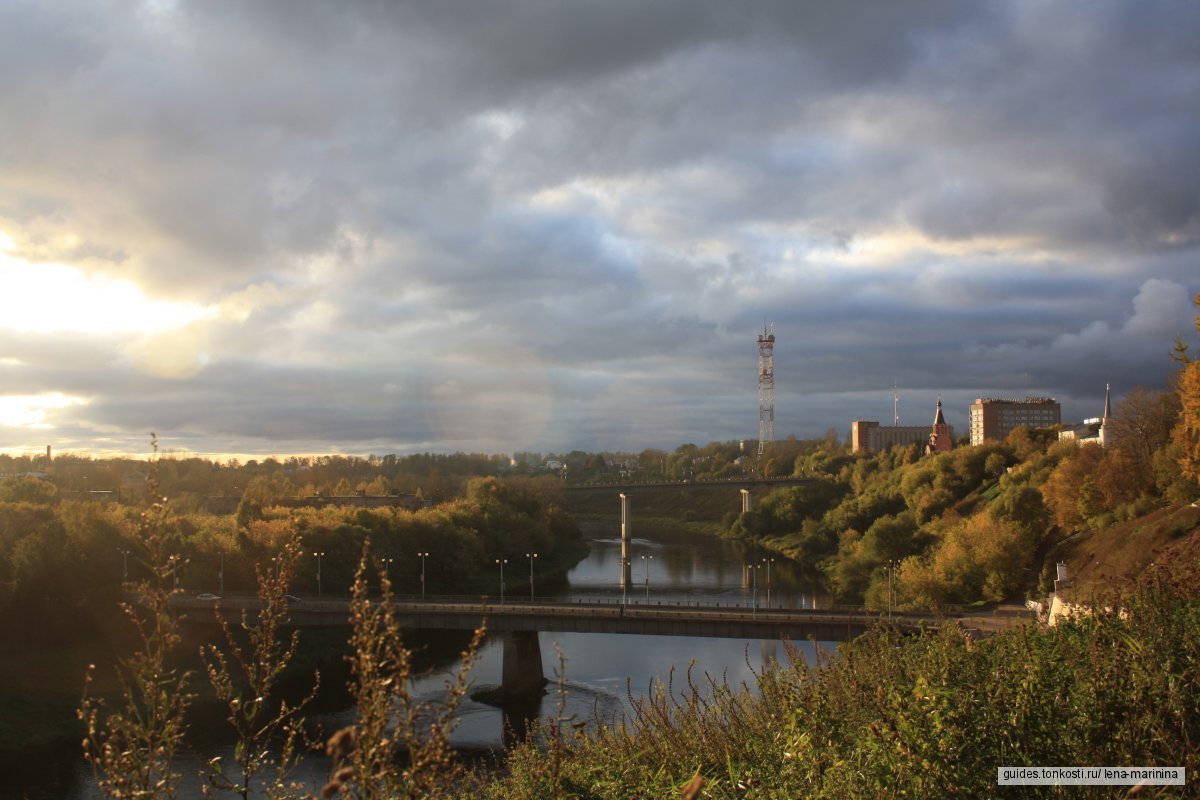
(501, 562)
(531, 557)
(423, 556)
(124, 564)
(174, 562)
(387, 563)
(646, 563)
(754, 568)
(768, 562)
(319, 556)
(221, 574)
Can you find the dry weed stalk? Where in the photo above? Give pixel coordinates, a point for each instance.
(400, 747)
(246, 680)
(131, 749)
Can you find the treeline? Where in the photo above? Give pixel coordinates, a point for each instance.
(63, 562)
(436, 477)
(187, 480)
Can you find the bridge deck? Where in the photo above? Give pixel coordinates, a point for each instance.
(653, 486)
(658, 620)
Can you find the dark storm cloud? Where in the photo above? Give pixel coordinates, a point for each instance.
(444, 224)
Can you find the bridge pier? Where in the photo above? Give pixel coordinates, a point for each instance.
(521, 674)
(747, 501)
(626, 525)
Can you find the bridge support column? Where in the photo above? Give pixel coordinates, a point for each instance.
(747, 500)
(521, 674)
(626, 525)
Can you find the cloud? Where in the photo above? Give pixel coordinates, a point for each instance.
(409, 225)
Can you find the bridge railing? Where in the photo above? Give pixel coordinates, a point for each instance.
(476, 600)
(481, 606)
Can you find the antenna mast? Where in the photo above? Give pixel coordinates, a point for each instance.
(766, 390)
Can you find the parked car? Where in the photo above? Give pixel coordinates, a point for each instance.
(291, 598)
(207, 596)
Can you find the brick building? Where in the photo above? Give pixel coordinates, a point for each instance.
(992, 419)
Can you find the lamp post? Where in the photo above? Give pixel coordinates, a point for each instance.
(422, 556)
(387, 577)
(319, 556)
(624, 583)
(531, 557)
(124, 564)
(768, 562)
(278, 562)
(174, 562)
(754, 568)
(646, 563)
(221, 574)
(501, 562)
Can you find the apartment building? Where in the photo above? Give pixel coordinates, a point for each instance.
(994, 418)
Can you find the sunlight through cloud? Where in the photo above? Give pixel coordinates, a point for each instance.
(31, 411)
(50, 298)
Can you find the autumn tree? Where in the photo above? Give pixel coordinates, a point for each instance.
(1187, 431)
(1142, 424)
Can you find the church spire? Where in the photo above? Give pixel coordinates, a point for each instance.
(939, 437)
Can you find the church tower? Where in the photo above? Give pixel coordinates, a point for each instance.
(939, 438)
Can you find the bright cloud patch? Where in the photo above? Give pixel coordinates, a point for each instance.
(52, 298)
(33, 411)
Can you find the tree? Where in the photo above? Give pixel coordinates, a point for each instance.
(1142, 423)
(28, 490)
(1186, 435)
(1187, 431)
(1066, 490)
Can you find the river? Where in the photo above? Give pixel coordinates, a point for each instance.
(601, 670)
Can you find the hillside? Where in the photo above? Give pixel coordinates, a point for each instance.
(1112, 558)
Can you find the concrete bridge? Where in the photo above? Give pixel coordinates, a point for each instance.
(631, 487)
(520, 622)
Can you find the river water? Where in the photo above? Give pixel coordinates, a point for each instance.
(600, 672)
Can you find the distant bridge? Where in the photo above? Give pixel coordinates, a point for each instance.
(625, 491)
(522, 620)
(631, 487)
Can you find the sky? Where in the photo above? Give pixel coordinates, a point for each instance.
(297, 227)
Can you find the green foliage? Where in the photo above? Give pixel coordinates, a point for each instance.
(893, 506)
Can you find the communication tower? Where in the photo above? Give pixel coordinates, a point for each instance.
(766, 390)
